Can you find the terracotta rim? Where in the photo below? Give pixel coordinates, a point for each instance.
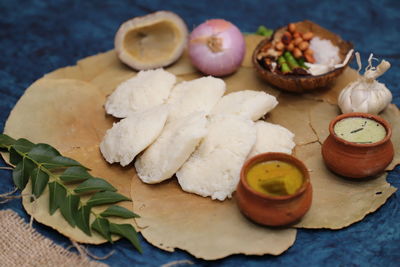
(270, 156)
(376, 118)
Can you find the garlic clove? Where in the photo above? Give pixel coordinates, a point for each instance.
(152, 41)
(344, 101)
(359, 98)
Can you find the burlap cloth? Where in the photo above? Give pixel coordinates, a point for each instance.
(21, 245)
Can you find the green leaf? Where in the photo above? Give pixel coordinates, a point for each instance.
(82, 219)
(39, 161)
(15, 158)
(102, 226)
(61, 162)
(57, 195)
(49, 157)
(106, 197)
(39, 181)
(6, 141)
(75, 174)
(127, 231)
(94, 184)
(69, 207)
(22, 172)
(41, 152)
(22, 145)
(119, 211)
(264, 31)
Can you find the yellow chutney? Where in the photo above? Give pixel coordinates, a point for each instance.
(275, 178)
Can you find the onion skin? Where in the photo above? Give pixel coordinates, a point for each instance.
(216, 47)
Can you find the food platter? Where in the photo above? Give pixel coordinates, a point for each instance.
(306, 116)
(40, 38)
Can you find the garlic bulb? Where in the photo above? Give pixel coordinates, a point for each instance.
(366, 94)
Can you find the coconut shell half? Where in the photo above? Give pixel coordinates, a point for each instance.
(303, 83)
(152, 41)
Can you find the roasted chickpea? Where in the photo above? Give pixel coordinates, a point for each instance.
(287, 38)
(303, 45)
(279, 46)
(297, 41)
(292, 27)
(290, 47)
(297, 53)
(296, 35)
(309, 52)
(309, 58)
(308, 36)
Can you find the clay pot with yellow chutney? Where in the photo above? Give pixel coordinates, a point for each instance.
(358, 146)
(283, 194)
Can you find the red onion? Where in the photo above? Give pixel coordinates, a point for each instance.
(216, 47)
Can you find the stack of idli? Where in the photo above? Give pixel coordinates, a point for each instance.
(191, 130)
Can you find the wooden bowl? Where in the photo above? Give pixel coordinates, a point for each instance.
(301, 83)
(355, 160)
(273, 210)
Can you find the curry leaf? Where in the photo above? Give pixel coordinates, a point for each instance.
(49, 157)
(82, 218)
(42, 152)
(19, 148)
(22, 172)
(6, 141)
(102, 226)
(57, 195)
(15, 158)
(94, 184)
(106, 197)
(127, 231)
(119, 211)
(69, 207)
(40, 162)
(39, 181)
(61, 162)
(75, 174)
(22, 145)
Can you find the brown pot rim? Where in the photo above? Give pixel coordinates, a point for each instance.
(269, 156)
(376, 118)
(290, 76)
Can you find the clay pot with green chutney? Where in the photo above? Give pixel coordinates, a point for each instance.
(358, 146)
(274, 189)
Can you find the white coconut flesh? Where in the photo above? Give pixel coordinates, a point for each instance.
(152, 41)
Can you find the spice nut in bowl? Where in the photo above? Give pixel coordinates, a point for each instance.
(358, 145)
(306, 42)
(274, 189)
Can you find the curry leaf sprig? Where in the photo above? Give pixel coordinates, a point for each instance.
(44, 166)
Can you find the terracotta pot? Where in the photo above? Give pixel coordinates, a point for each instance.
(355, 160)
(273, 210)
(302, 83)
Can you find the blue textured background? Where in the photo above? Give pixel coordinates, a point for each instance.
(37, 37)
